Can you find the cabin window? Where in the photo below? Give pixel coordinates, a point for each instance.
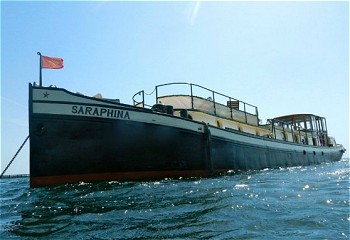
(296, 139)
(283, 136)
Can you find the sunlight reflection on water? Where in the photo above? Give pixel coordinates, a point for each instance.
(300, 202)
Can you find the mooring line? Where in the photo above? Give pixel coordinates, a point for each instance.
(8, 165)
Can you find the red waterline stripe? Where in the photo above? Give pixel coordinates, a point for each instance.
(93, 177)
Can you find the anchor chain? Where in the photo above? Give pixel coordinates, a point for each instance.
(20, 148)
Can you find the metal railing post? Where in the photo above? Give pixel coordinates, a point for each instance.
(230, 101)
(143, 98)
(245, 113)
(192, 104)
(214, 103)
(156, 94)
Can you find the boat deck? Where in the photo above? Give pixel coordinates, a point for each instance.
(222, 111)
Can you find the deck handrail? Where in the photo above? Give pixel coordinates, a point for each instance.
(213, 95)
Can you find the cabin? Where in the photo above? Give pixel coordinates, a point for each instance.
(301, 128)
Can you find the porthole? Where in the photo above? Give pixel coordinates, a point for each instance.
(314, 153)
(304, 152)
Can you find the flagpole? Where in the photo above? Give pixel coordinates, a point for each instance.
(40, 71)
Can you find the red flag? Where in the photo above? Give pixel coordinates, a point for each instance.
(52, 63)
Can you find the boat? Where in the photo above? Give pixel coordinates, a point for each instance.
(187, 131)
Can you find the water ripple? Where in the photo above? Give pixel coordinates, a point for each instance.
(302, 202)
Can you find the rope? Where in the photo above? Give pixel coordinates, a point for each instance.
(8, 165)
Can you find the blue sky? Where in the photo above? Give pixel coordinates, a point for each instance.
(284, 57)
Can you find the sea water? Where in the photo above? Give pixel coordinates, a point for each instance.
(309, 202)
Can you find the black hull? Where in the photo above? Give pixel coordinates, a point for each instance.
(66, 148)
(71, 150)
(75, 147)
